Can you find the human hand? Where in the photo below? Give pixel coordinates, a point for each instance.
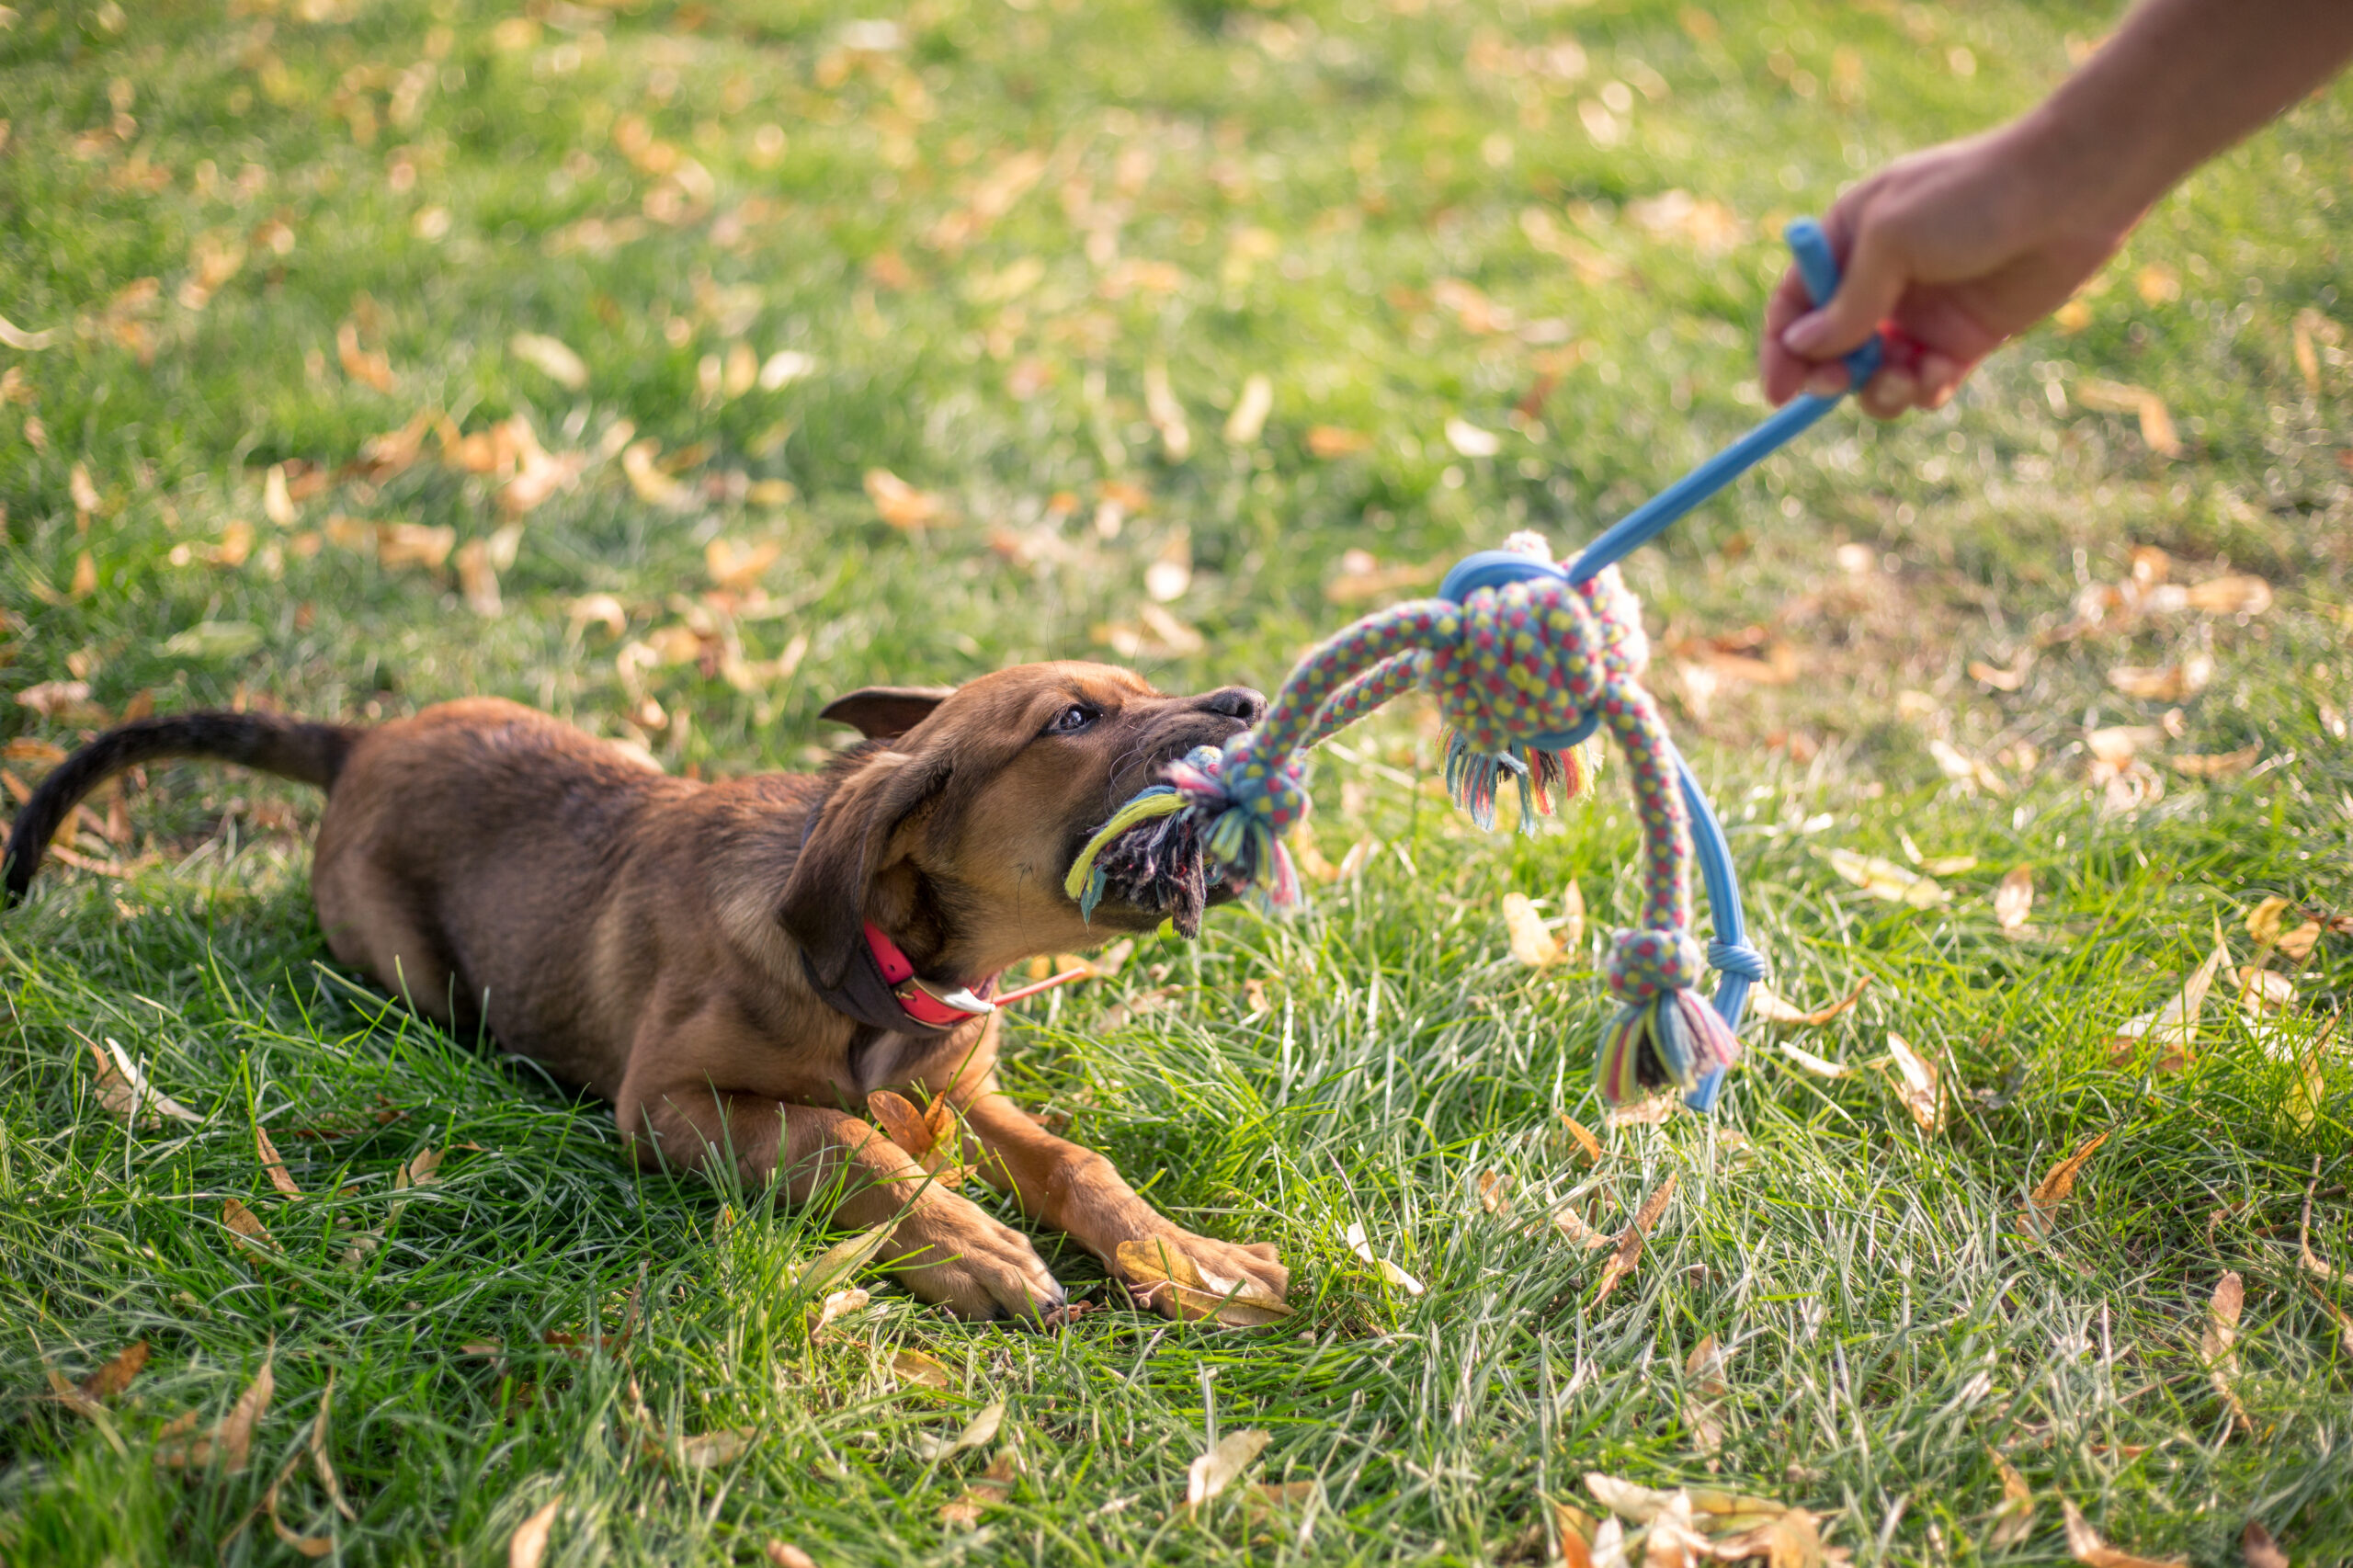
(1948, 252)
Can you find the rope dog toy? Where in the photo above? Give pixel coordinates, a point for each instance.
(1529, 660)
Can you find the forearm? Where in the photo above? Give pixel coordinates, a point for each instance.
(2180, 81)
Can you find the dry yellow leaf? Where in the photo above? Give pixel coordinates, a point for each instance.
(2014, 898)
(528, 1544)
(1331, 441)
(1531, 944)
(1585, 1140)
(1165, 1278)
(1769, 1008)
(115, 1376)
(2166, 683)
(551, 358)
(273, 1164)
(924, 1372)
(2264, 921)
(2216, 765)
(2014, 1519)
(1632, 1240)
(1819, 1066)
(2084, 1544)
(1213, 1471)
(1885, 879)
(784, 1554)
(360, 364)
(246, 1229)
(1916, 1084)
(125, 1092)
(842, 1259)
(2058, 1184)
(1357, 1244)
(2231, 595)
(2218, 1345)
(229, 1439)
(901, 504)
(1248, 419)
(738, 570)
(979, 1429)
(478, 579)
(837, 1304)
(2174, 1026)
(646, 478)
(1495, 1192)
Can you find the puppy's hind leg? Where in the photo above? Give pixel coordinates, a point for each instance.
(944, 1246)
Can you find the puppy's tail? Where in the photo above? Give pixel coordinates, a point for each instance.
(312, 753)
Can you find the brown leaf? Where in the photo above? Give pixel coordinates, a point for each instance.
(2258, 1549)
(2057, 1183)
(708, 1451)
(1573, 1533)
(2001, 679)
(739, 569)
(2218, 1345)
(2305, 1258)
(1916, 1084)
(1151, 1266)
(924, 1372)
(1644, 1113)
(784, 1554)
(230, 1439)
(2084, 1544)
(2167, 683)
(900, 1122)
(246, 1229)
(1495, 1192)
(528, 1544)
(274, 1164)
(1331, 441)
(2115, 397)
(2174, 1026)
(901, 504)
(115, 1376)
(981, 1428)
(2014, 898)
(651, 484)
(2231, 595)
(1531, 943)
(1770, 1008)
(1213, 1471)
(1585, 1141)
(125, 1092)
(1821, 1067)
(2216, 765)
(838, 1304)
(362, 364)
(1631, 1239)
(2014, 1520)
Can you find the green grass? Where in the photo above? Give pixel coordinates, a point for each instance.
(1310, 189)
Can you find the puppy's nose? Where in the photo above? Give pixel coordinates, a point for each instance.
(1238, 702)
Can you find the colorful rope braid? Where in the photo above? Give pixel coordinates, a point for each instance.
(1527, 660)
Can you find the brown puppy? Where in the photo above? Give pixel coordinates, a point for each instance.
(699, 953)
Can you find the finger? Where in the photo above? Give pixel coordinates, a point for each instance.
(1828, 380)
(1873, 282)
(1781, 371)
(1941, 375)
(1889, 393)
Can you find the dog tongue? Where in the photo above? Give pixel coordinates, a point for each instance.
(1160, 864)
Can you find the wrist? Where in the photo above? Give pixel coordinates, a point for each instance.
(2082, 167)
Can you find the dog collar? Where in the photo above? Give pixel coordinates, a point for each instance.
(932, 1008)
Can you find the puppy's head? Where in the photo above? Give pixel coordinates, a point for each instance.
(954, 826)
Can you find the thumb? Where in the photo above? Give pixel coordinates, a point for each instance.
(1867, 294)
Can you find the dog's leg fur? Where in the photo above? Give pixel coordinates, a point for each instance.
(946, 1247)
(1081, 1193)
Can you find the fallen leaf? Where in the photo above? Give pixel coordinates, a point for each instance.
(1916, 1084)
(1640, 1504)
(247, 1228)
(652, 486)
(2000, 680)
(2218, 1345)
(529, 1541)
(2115, 397)
(1248, 419)
(213, 640)
(2013, 1522)
(229, 1439)
(837, 1304)
(2166, 683)
(2264, 989)
(2014, 898)
(1357, 1244)
(901, 504)
(708, 1451)
(786, 1555)
(1331, 441)
(842, 1259)
(1585, 1140)
(551, 358)
(399, 544)
(1703, 1413)
(2084, 1543)
(1155, 1265)
(1885, 879)
(273, 1164)
(115, 1376)
(1213, 1471)
(1531, 944)
(1632, 1240)
(2257, 1548)
(987, 1490)
(17, 337)
(1819, 1066)
(1644, 1113)
(124, 1091)
(924, 1372)
(2231, 595)
(1571, 1224)
(1573, 1534)
(2058, 1184)
(1495, 1192)
(1788, 1539)
(360, 364)
(739, 569)
(2264, 921)
(1770, 1008)
(979, 1429)
(900, 1122)
(2174, 1026)
(2216, 765)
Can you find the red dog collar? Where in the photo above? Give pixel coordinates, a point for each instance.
(933, 1009)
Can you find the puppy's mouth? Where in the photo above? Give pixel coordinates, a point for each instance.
(1158, 869)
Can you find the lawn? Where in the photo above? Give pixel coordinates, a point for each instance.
(676, 368)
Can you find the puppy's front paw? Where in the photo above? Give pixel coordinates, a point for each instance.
(1179, 1274)
(953, 1254)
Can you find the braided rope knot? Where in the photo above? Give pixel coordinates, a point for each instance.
(1738, 959)
(1642, 964)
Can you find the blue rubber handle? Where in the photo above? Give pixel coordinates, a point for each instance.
(1811, 247)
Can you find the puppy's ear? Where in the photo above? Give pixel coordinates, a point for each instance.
(886, 712)
(824, 895)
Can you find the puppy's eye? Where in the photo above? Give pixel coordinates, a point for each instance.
(1072, 719)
